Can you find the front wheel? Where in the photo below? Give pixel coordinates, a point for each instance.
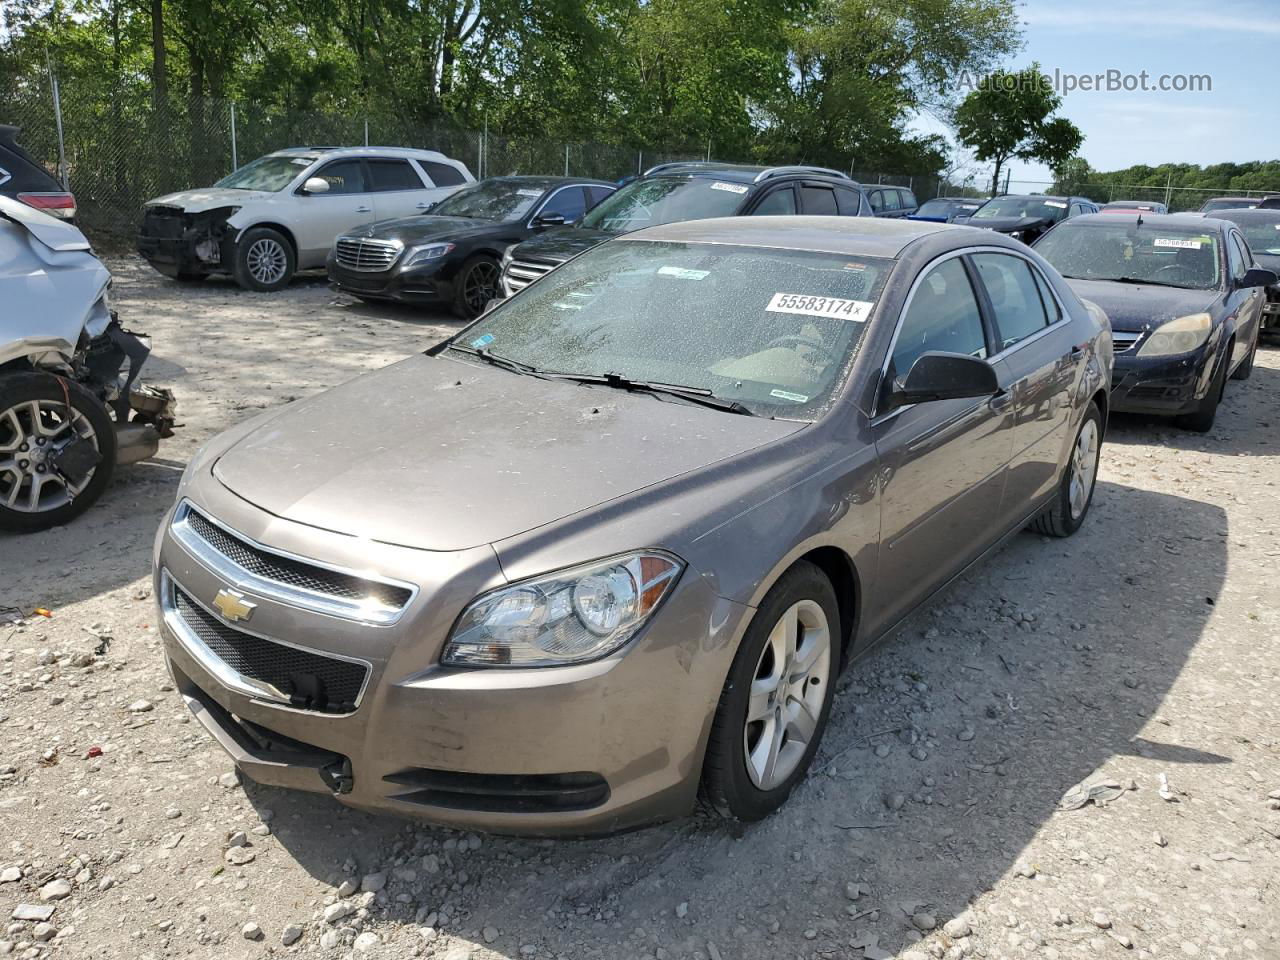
(55, 461)
(264, 260)
(777, 698)
(475, 285)
(1066, 514)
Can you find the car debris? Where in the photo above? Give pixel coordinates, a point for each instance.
(1100, 793)
(71, 405)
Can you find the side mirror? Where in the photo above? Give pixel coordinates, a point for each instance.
(1258, 277)
(550, 220)
(315, 185)
(943, 376)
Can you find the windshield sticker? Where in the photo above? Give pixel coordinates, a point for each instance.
(856, 311)
(484, 341)
(1176, 244)
(793, 397)
(855, 266)
(1055, 203)
(301, 161)
(528, 193)
(683, 273)
(731, 187)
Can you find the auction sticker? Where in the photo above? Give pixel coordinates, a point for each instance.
(731, 187)
(1055, 203)
(837, 307)
(684, 273)
(788, 395)
(1176, 243)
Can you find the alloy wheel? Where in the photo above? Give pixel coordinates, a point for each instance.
(787, 694)
(32, 434)
(267, 261)
(480, 285)
(1084, 467)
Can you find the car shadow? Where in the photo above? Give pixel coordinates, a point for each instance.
(949, 749)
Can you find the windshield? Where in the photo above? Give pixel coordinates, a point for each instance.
(1229, 204)
(490, 200)
(1040, 208)
(772, 329)
(267, 173)
(646, 203)
(1172, 256)
(1264, 238)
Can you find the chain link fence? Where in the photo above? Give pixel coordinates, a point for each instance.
(123, 150)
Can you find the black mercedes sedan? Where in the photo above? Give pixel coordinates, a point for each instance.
(1261, 229)
(1184, 296)
(451, 256)
(1025, 218)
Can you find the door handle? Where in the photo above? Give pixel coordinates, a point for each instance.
(1000, 400)
(423, 206)
(364, 209)
(1076, 353)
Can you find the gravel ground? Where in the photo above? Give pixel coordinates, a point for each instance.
(1142, 653)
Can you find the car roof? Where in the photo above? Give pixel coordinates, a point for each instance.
(852, 236)
(1232, 196)
(543, 182)
(329, 152)
(1243, 215)
(743, 173)
(1036, 196)
(1152, 220)
(1132, 204)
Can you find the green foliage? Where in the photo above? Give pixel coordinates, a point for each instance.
(1010, 115)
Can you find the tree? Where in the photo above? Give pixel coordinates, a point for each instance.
(1009, 116)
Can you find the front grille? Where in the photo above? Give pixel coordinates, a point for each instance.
(520, 273)
(365, 255)
(1121, 341)
(501, 793)
(295, 573)
(309, 680)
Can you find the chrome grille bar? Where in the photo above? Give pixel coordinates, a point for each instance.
(365, 254)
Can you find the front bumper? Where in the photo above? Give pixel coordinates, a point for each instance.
(424, 283)
(577, 750)
(1162, 386)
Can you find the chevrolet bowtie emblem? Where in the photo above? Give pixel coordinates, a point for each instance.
(233, 606)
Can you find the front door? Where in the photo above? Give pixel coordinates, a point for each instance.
(943, 464)
(347, 204)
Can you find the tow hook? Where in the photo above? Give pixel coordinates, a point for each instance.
(338, 776)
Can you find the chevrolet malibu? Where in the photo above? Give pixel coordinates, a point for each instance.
(607, 549)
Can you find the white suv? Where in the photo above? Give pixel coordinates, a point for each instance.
(281, 213)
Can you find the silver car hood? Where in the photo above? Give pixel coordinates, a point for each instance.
(209, 198)
(439, 454)
(51, 286)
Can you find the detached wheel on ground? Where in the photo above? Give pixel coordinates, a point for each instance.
(54, 461)
(475, 285)
(776, 701)
(1075, 492)
(1201, 420)
(264, 260)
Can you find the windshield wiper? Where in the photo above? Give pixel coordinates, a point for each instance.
(505, 363)
(1154, 283)
(698, 395)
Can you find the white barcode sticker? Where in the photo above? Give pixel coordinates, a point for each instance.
(1176, 243)
(855, 310)
(528, 193)
(1055, 203)
(731, 187)
(684, 273)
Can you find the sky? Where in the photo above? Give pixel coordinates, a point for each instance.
(1235, 42)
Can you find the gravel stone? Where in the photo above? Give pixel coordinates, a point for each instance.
(291, 934)
(251, 931)
(58, 889)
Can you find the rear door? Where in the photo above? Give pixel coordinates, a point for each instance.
(321, 217)
(818, 200)
(1245, 302)
(397, 187)
(1035, 341)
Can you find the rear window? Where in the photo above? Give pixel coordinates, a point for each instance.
(443, 174)
(21, 173)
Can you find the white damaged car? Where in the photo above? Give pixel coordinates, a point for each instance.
(71, 406)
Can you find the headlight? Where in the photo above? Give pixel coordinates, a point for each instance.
(579, 614)
(422, 254)
(1178, 336)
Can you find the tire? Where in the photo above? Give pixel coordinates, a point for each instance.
(1066, 514)
(1201, 421)
(20, 396)
(264, 260)
(737, 780)
(1245, 370)
(475, 285)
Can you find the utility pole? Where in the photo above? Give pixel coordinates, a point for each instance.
(235, 161)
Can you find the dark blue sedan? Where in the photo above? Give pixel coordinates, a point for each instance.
(942, 209)
(1185, 299)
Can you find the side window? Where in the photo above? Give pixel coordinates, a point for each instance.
(818, 201)
(1019, 311)
(570, 203)
(779, 203)
(876, 197)
(1047, 298)
(344, 176)
(393, 175)
(943, 315)
(891, 201)
(1236, 256)
(849, 202)
(1075, 210)
(442, 174)
(908, 199)
(596, 194)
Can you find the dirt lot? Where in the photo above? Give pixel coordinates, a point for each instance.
(1145, 647)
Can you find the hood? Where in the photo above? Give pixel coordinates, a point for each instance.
(438, 454)
(1135, 307)
(557, 246)
(209, 198)
(416, 230)
(1006, 224)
